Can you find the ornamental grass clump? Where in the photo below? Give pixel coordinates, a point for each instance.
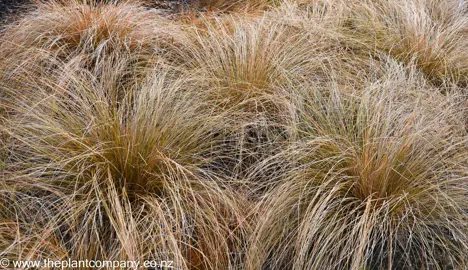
(376, 180)
(132, 171)
(88, 35)
(431, 33)
(236, 134)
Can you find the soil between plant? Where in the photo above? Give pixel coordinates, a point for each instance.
(10, 8)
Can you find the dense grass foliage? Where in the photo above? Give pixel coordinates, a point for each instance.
(367, 184)
(237, 134)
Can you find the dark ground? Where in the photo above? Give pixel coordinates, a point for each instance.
(10, 8)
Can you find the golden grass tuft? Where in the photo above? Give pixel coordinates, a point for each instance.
(375, 180)
(431, 33)
(236, 134)
(88, 35)
(149, 149)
